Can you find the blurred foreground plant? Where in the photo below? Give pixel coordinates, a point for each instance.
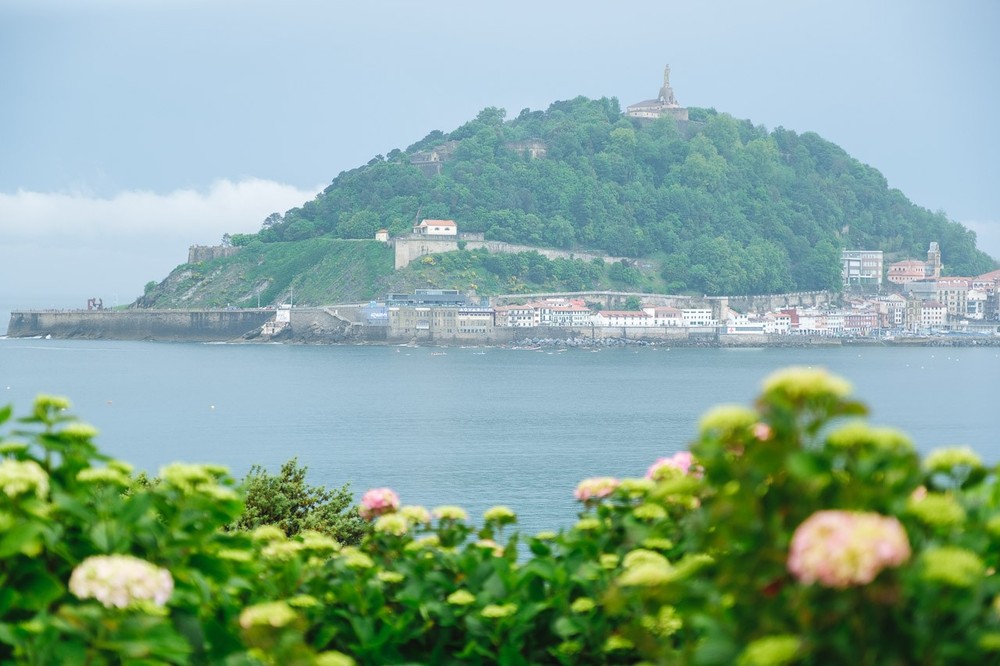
(791, 532)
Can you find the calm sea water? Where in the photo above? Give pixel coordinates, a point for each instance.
(473, 427)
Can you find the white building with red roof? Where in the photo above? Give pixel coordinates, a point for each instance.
(626, 318)
(910, 270)
(987, 282)
(436, 228)
(665, 316)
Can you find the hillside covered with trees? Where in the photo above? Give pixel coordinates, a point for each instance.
(713, 205)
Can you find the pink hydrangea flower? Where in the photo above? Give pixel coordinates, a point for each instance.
(762, 431)
(595, 488)
(681, 461)
(843, 548)
(378, 501)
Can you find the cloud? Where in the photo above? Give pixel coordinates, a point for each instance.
(58, 249)
(201, 217)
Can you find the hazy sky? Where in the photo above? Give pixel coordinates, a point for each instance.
(131, 129)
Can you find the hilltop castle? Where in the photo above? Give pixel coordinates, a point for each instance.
(664, 105)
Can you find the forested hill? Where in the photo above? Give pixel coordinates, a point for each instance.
(718, 205)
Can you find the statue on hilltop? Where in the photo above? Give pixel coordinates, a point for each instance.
(664, 105)
(666, 92)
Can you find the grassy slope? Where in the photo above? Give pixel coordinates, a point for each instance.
(318, 271)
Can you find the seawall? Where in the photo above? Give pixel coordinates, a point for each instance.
(170, 325)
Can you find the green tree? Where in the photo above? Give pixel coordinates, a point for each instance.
(362, 224)
(287, 501)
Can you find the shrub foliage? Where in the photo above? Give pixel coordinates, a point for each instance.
(791, 532)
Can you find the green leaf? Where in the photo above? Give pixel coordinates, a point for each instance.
(22, 538)
(8, 634)
(805, 465)
(39, 588)
(565, 627)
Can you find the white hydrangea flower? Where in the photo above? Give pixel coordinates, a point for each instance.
(22, 477)
(118, 581)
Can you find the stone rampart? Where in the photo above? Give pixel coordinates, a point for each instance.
(774, 302)
(609, 300)
(412, 247)
(200, 253)
(173, 325)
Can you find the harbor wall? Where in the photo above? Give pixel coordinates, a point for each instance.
(178, 325)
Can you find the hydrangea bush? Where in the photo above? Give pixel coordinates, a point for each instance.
(791, 532)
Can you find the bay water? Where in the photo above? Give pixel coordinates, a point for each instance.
(468, 426)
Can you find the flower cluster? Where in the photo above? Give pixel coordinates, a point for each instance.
(392, 523)
(417, 515)
(450, 513)
(596, 488)
(121, 580)
(665, 468)
(191, 479)
(500, 515)
(946, 460)
(727, 420)
(804, 383)
(268, 614)
(377, 501)
(843, 548)
(21, 478)
(952, 566)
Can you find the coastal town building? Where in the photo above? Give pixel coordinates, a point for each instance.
(953, 292)
(924, 316)
(930, 305)
(562, 312)
(975, 304)
(697, 317)
(665, 316)
(777, 323)
(623, 318)
(910, 270)
(744, 324)
(519, 316)
(429, 297)
(861, 267)
(891, 311)
(988, 282)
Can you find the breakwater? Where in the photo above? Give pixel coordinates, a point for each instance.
(170, 325)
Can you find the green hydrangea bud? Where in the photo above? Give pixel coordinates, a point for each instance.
(952, 566)
(771, 651)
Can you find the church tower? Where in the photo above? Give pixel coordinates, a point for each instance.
(934, 260)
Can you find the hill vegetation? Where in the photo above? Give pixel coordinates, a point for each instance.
(713, 205)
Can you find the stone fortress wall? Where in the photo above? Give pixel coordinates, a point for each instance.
(411, 247)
